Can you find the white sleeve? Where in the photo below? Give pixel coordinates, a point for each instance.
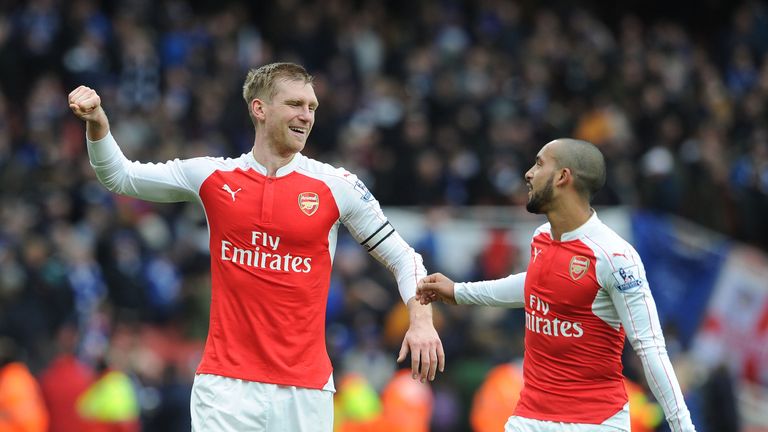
(161, 182)
(362, 215)
(506, 292)
(628, 288)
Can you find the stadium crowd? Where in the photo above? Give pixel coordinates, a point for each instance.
(440, 104)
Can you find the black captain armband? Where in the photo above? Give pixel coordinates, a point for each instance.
(378, 236)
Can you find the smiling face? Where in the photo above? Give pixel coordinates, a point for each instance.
(288, 116)
(540, 181)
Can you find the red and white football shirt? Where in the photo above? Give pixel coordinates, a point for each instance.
(581, 295)
(272, 241)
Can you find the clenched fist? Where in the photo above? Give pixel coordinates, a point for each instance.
(86, 104)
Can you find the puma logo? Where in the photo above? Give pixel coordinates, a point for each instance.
(231, 192)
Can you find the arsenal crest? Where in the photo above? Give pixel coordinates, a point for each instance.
(579, 266)
(309, 203)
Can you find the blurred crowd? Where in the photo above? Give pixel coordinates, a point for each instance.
(435, 103)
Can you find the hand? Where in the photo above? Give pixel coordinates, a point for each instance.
(435, 287)
(423, 342)
(86, 104)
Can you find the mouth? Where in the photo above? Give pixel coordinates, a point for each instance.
(298, 130)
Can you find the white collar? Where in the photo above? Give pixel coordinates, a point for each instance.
(282, 171)
(581, 230)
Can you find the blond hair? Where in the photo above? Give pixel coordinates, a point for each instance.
(261, 83)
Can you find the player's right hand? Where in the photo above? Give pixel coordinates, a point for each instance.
(435, 287)
(86, 104)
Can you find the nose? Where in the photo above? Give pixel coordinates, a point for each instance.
(306, 114)
(528, 175)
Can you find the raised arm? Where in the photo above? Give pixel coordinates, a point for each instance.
(172, 181)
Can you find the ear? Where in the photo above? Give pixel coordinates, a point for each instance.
(564, 177)
(257, 109)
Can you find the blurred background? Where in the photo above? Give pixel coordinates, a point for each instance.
(439, 106)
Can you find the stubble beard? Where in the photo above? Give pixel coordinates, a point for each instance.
(539, 200)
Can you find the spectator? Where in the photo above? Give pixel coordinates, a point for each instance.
(22, 408)
(63, 381)
(496, 398)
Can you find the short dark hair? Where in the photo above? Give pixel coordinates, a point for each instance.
(586, 162)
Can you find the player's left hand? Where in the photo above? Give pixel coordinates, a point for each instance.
(424, 344)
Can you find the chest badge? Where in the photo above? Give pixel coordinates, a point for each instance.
(578, 267)
(309, 202)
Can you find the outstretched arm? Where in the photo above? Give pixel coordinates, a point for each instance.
(506, 292)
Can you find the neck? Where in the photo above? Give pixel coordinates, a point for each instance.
(270, 158)
(568, 216)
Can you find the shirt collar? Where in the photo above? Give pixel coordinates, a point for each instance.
(583, 229)
(282, 171)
